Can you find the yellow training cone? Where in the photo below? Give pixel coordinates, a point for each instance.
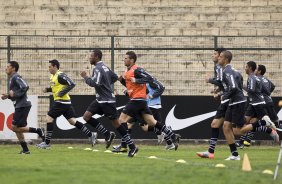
(267, 171)
(246, 166)
(152, 157)
(220, 165)
(181, 161)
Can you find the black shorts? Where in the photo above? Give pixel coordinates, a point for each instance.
(59, 109)
(221, 110)
(136, 108)
(269, 107)
(20, 116)
(156, 113)
(107, 109)
(235, 114)
(256, 111)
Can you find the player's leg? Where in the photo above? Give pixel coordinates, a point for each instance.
(95, 108)
(125, 116)
(19, 124)
(24, 129)
(56, 110)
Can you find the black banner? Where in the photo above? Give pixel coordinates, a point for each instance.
(189, 116)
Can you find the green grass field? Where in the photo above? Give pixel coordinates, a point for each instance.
(62, 165)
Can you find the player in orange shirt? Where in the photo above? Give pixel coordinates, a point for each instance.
(134, 79)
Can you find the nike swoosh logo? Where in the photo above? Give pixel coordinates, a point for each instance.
(178, 124)
(63, 124)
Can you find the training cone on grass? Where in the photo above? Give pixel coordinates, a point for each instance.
(246, 166)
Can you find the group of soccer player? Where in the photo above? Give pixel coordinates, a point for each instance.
(141, 88)
(237, 114)
(144, 104)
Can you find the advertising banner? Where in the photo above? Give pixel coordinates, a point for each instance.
(6, 116)
(189, 116)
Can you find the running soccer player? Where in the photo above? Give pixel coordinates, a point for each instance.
(60, 85)
(18, 88)
(105, 103)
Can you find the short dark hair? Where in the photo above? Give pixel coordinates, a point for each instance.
(228, 55)
(262, 69)
(252, 65)
(132, 55)
(15, 65)
(98, 53)
(219, 50)
(55, 62)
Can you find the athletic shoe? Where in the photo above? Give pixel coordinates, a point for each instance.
(41, 134)
(205, 154)
(176, 141)
(117, 146)
(109, 139)
(24, 152)
(269, 123)
(170, 147)
(239, 145)
(160, 138)
(232, 157)
(177, 138)
(274, 136)
(43, 145)
(247, 144)
(93, 138)
(119, 149)
(132, 152)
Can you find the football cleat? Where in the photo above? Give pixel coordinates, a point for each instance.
(109, 139)
(170, 147)
(247, 144)
(43, 145)
(24, 152)
(205, 154)
(232, 157)
(239, 144)
(274, 136)
(120, 150)
(132, 152)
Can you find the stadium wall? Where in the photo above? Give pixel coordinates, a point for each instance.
(142, 17)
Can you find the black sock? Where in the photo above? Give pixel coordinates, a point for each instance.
(126, 138)
(263, 129)
(165, 130)
(83, 128)
(49, 133)
(24, 146)
(168, 140)
(33, 130)
(155, 130)
(233, 149)
(258, 124)
(213, 140)
(242, 139)
(249, 136)
(96, 124)
(123, 143)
